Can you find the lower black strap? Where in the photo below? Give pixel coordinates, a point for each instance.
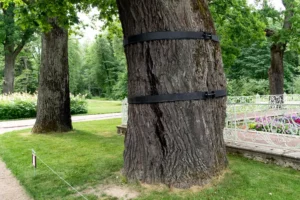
(168, 35)
(177, 97)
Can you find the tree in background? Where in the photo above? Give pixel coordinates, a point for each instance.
(104, 65)
(283, 32)
(75, 57)
(89, 71)
(115, 34)
(53, 109)
(26, 71)
(179, 144)
(249, 74)
(242, 26)
(54, 18)
(106, 70)
(1, 65)
(13, 35)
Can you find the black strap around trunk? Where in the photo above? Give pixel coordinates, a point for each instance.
(169, 35)
(177, 97)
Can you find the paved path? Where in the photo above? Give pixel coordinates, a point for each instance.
(8, 126)
(10, 188)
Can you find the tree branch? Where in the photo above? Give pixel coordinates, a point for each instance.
(27, 34)
(289, 13)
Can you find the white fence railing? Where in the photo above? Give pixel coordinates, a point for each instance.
(261, 119)
(265, 99)
(264, 124)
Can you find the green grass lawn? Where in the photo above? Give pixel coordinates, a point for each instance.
(91, 155)
(96, 106)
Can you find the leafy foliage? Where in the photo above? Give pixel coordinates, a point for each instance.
(249, 74)
(1, 65)
(282, 26)
(78, 104)
(99, 69)
(75, 63)
(239, 26)
(17, 109)
(19, 105)
(247, 87)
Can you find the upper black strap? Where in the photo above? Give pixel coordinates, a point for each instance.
(168, 35)
(177, 97)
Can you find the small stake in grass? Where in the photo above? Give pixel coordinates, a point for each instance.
(34, 161)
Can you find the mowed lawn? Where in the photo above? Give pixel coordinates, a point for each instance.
(96, 106)
(91, 156)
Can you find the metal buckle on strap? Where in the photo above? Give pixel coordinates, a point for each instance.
(210, 95)
(207, 36)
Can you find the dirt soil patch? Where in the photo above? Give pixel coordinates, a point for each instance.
(119, 192)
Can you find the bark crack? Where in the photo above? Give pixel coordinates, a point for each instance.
(159, 128)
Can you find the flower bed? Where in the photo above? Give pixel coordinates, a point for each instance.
(17, 105)
(279, 124)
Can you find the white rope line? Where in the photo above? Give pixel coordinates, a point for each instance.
(62, 179)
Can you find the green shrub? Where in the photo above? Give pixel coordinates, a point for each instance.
(78, 104)
(247, 87)
(88, 94)
(16, 106)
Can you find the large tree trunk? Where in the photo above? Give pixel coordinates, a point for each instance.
(9, 69)
(53, 112)
(179, 144)
(276, 71)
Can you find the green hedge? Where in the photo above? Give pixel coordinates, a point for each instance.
(17, 109)
(18, 106)
(78, 105)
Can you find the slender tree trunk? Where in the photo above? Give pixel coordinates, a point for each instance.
(276, 71)
(179, 144)
(276, 75)
(9, 45)
(53, 111)
(25, 60)
(9, 69)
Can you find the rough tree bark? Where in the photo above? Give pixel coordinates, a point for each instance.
(53, 111)
(179, 144)
(276, 71)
